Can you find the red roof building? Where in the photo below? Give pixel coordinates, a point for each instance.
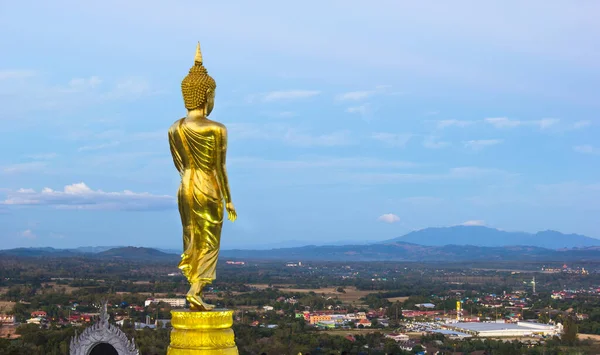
(364, 322)
(36, 314)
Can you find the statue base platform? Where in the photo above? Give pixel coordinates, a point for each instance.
(202, 333)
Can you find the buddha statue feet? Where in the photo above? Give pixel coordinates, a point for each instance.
(197, 304)
(194, 297)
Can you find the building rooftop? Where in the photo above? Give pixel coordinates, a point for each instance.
(482, 327)
(452, 332)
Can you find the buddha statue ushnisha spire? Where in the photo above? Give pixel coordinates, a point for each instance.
(198, 57)
(197, 85)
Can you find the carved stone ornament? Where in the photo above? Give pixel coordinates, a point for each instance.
(102, 332)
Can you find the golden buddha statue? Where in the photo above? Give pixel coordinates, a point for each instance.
(199, 147)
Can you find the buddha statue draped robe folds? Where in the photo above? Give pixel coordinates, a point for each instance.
(199, 147)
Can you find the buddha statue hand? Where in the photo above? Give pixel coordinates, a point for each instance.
(231, 214)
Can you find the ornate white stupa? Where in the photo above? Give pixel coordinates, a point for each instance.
(102, 338)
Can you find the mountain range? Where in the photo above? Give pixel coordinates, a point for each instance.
(458, 243)
(398, 251)
(138, 253)
(491, 237)
(129, 253)
(393, 251)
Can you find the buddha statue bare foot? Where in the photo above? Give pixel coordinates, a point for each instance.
(194, 297)
(197, 304)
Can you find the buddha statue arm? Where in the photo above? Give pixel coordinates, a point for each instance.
(221, 169)
(177, 160)
(222, 174)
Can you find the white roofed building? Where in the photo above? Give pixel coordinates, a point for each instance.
(498, 329)
(173, 302)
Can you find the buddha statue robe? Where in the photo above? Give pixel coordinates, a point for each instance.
(199, 147)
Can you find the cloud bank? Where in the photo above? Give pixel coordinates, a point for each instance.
(80, 196)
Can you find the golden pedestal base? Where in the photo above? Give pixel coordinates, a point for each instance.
(202, 333)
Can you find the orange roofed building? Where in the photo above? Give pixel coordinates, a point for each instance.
(316, 318)
(40, 314)
(364, 322)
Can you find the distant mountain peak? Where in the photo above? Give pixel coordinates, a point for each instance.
(492, 237)
(132, 252)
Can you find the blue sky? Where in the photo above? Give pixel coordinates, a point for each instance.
(348, 120)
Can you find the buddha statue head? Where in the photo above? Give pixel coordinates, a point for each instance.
(198, 88)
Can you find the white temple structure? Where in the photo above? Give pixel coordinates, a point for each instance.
(102, 338)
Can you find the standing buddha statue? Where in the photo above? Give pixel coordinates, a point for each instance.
(199, 147)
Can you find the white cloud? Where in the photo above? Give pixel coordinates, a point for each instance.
(392, 139)
(397, 93)
(80, 196)
(504, 122)
(287, 114)
(586, 149)
(582, 124)
(388, 218)
(28, 233)
(383, 87)
(473, 223)
(362, 109)
(431, 142)
(363, 94)
(467, 172)
(453, 123)
(289, 95)
(546, 122)
(80, 84)
(481, 143)
(354, 95)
